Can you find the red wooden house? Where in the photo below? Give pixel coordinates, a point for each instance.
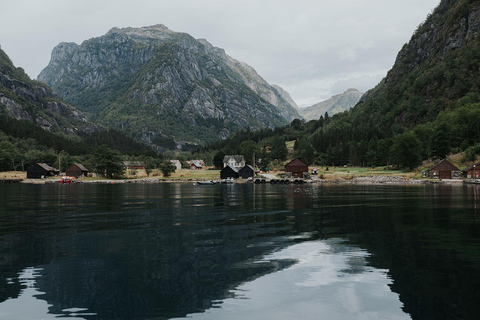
(297, 167)
(444, 170)
(473, 171)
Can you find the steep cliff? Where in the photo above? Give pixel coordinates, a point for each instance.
(156, 83)
(433, 71)
(336, 104)
(24, 99)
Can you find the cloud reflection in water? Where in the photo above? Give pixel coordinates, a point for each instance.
(330, 280)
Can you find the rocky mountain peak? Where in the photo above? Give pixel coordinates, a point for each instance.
(157, 83)
(338, 103)
(158, 32)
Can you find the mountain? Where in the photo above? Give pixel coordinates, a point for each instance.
(336, 104)
(433, 72)
(24, 99)
(162, 86)
(426, 107)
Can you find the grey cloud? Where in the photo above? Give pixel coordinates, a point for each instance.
(309, 47)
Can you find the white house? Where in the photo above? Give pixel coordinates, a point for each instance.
(234, 161)
(177, 164)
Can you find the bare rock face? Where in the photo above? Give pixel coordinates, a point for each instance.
(24, 99)
(166, 83)
(338, 103)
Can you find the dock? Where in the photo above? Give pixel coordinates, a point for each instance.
(278, 181)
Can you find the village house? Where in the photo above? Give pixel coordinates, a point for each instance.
(473, 171)
(444, 170)
(134, 165)
(247, 172)
(234, 161)
(177, 164)
(228, 173)
(76, 170)
(296, 168)
(196, 164)
(41, 171)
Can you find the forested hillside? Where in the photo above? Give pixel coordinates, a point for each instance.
(427, 106)
(36, 126)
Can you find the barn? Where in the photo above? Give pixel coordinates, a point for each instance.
(444, 170)
(76, 170)
(228, 172)
(297, 168)
(247, 172)
(41, 170)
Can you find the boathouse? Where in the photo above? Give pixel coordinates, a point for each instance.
(41, 170)
(76, 170)
(444, 170)
(228, 173)
(473, 171)
(297, 168)
(246, 172)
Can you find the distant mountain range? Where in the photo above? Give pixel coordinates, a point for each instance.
(161, 86)
(336, 104)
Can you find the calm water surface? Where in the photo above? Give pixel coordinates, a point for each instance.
(175, 251)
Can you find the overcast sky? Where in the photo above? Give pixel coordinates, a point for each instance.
(312, 48)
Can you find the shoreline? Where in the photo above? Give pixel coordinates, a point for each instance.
(361, 180)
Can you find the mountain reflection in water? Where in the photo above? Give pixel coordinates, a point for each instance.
(239, 251)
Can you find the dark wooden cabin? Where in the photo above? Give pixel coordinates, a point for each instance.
(76, 170)
(444, 170)
(473, 171)
(247, 172)
(41, 170)
(297, 167)
(228, 172)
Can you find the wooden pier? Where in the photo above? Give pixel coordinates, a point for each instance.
(278, 181)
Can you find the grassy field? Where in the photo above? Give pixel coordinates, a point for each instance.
(351, 172)
(13, 175)
(190, 174)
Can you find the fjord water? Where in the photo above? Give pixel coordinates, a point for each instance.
(173, 251)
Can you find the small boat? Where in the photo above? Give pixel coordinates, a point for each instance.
(206, 183)
(66, 180)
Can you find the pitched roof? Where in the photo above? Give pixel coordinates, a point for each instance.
(444, 165)
(227, 166)
(197, 163)
(47, 167)
(80, 166)
(238, 158)
(296, 162)
(133, 163)
(477, 165)
(248, 167)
